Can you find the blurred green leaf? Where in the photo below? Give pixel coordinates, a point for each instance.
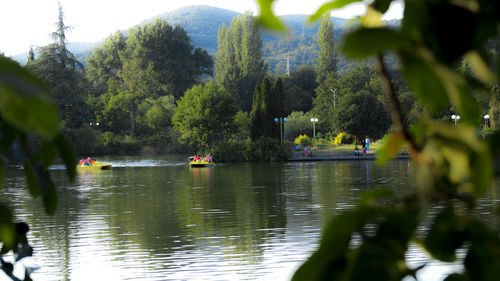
(67, 154)
(267, 18)
(8, 135)
(447, 29)
(392, 145)
(482, 170)
(370, 198)
(25, 101)
(330, 260)
(459, 94)
(424, 82)
(445, 236)
(50, 198)
(40, 182)
(31, 179)
(7, 232)
(330, 6)
(480, 67)
(365, 42)
(47, 154)
(483, 259)
(437, 85)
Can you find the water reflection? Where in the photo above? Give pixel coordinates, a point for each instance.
(169, 221)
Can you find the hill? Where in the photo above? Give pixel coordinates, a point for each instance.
(203, 22)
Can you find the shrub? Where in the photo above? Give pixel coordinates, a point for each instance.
(303, 140)
(266, 149)
(230, 151)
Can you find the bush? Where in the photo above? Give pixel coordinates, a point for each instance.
(83, 139)
(303, 140)
(110, 143)
(230, 151)
(266, 149)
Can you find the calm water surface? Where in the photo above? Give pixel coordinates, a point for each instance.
(157, 219)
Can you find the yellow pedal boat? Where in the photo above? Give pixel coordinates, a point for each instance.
(200, 163)
(95, 166)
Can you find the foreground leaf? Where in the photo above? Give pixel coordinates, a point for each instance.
(366, 42)
(25, 101)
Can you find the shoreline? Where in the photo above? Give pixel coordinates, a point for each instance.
(299, 157)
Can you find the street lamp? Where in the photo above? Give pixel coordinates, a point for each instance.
(92, 124)
(486, 120)
(314, 120)
(455, 118)
(334, 104)
(282, 128)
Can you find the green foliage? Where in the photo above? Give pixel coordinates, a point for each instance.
(137, 78)
(326, 66)
(23, 102)
(109, 143)
(298, 123)
(242, 121)
(265, 149)
(169, 53)
(159, 115)
(299, 89)
(34, 131)
(230, 151)
(303, 140)
(105, 63)
(362, 115)
(453, 165)
(381, 253)
(239, 66)
(267, 105)
(205, 116)
(331, 93)
(495, 107)
(63, 73)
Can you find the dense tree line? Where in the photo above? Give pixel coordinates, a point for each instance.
(133, 85)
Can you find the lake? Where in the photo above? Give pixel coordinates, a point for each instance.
(155, 218)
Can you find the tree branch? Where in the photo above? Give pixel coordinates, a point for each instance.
(396, 113)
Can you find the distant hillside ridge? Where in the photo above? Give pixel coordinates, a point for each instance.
(202, 24)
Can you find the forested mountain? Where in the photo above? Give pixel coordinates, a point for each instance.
(202, 24)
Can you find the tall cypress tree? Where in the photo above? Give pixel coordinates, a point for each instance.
(267, 105)
(327, 57)
(239, 66)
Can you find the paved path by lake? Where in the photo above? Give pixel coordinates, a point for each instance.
(299, 156)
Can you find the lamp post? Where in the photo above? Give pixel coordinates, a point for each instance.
(281, 120)
(314, 120)
(455, 118)
(334, 103)
(486, 120)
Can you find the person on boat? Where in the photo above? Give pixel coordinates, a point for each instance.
(356, 150)
(208, 158)
(88, 162)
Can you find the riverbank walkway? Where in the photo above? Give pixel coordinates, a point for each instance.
(331, 156)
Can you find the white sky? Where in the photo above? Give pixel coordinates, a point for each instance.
(25, 23)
